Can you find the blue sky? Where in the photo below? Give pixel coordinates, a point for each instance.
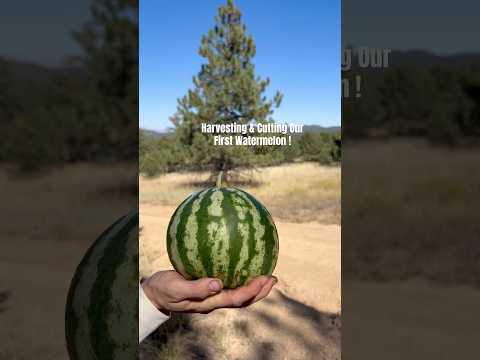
(41, 32)
(298, 47)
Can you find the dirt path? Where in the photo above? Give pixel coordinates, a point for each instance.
(299, 320)
(35, 284)
(444, 321)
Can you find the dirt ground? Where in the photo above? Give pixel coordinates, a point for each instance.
(49, 220)
(35, 288)
(414, 319)
(299, 320)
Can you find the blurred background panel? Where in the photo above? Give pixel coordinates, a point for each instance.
(68, 154)
(411, 149)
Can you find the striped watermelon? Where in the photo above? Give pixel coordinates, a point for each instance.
(102, 305)
(224, 233)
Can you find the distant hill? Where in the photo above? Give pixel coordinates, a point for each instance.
(151, 133)
(25, 72)
(422, 57)
(321, 129)
(156, 134)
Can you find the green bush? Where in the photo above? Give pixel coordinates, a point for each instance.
(166, 153)
(321, 147)
(35, 143)
(160, 155)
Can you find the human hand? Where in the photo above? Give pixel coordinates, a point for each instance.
(170, 292)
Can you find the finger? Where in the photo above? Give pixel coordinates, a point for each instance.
(198, 289)
(231, 298)
(181, 306)
(265, 290)
(239, 296)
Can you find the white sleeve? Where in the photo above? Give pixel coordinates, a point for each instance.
(149, 317)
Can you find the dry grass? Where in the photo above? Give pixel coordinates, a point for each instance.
(411, 209)
(299, 192)
(74, 203)
(181, 339)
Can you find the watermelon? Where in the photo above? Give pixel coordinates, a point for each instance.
(222, 232)
(101, 319)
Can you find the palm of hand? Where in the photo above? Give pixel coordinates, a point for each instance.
(170, 292)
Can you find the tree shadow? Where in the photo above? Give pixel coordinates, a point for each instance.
(321, 340)
(176, 336)
(4, 297)
(236, 177)
(326, 325)
(325, 322)
(253, 183)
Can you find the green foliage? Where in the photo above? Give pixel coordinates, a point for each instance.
(110, 43)
(159, 155)
(39, 152)
(226, 90)
(439, 102)
(322, 147)
(336, 147)
(86, 111)
(292, 152)
(163, 154)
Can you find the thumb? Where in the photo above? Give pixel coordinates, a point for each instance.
(200, 289)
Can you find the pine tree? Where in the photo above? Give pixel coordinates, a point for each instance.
(110, 43)
(226, 90)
